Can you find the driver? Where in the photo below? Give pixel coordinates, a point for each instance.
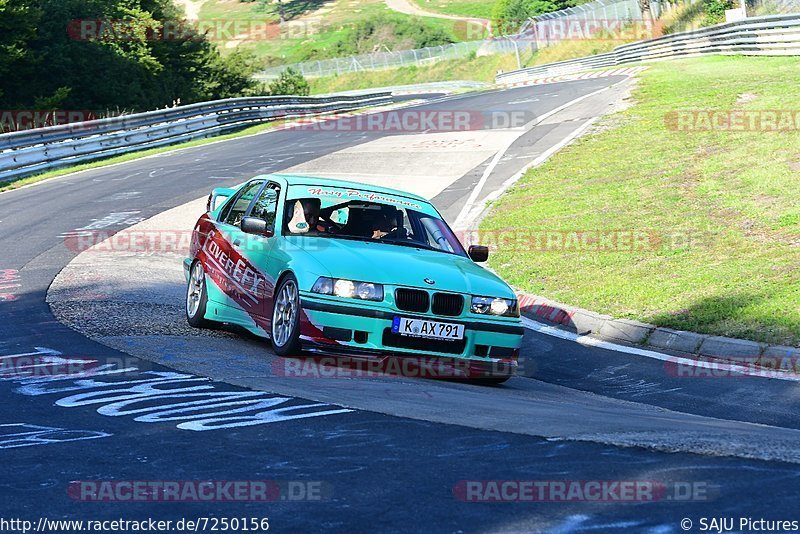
(385, 223)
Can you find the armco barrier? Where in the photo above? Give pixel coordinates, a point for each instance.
(33, 151)
(772, 35)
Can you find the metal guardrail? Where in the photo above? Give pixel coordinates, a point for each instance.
(34, 151)
(771, 35)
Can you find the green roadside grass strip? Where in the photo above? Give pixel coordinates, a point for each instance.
(721, 208)
(482, 69)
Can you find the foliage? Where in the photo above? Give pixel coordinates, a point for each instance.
(509, 15)
(715, 11)
(290, 82)
(380, 33)
(55, 53)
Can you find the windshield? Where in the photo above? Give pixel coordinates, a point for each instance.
(369, 221)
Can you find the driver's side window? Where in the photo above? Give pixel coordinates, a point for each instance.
(266, 206)
(232, 213)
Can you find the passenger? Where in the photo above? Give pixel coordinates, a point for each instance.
(303, 216)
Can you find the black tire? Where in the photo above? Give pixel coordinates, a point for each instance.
(285, 328)
(197, 298)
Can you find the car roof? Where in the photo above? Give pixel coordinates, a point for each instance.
(298, 179)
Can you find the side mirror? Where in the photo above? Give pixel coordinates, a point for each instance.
(478, 253)
(256, 226)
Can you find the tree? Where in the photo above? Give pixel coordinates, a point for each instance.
(18, 21)
(508, 16)
(103, 55)
(290, 82)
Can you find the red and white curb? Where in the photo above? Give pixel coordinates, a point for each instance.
(626, 71)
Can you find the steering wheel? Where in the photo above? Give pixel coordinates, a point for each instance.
(397, 233)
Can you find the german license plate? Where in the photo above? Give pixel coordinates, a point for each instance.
(429, 329)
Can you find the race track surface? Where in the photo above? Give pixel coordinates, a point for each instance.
(388, 454)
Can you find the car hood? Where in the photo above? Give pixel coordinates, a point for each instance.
(402, 266)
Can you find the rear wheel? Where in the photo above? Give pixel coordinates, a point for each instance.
(286, 318)
(197, 297)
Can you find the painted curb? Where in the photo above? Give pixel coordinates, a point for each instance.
(629, 332)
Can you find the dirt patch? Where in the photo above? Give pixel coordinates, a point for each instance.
(614, 118)
(745, 98)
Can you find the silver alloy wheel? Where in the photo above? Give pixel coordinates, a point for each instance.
(194, 292)
(285, 313)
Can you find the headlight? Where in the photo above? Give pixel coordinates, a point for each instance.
(348, 289)
(494, 306)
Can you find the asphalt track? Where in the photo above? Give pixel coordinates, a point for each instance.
(381, 472)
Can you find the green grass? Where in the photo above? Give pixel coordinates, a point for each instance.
(313, 25)
(461, 8)
(481, 69)
(722, 208)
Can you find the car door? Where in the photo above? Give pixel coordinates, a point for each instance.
(223, 259)
(258, 249)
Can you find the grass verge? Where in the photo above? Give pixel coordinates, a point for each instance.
(482, 69)
(316, 29)
(719, 208)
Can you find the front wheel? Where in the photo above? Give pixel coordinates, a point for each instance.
(286, 318)
(197, 297)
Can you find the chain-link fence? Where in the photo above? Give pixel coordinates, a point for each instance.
(774, 7)
(389, 60)
(620, 20)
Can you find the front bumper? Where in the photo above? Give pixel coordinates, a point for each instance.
(362, 329)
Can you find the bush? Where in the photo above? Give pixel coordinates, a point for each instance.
(380, 33)
(715, 11)
(290, 82)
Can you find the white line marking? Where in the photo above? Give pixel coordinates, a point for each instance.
(39, 350)
(479, 207)
(473, 197)
(589, 341)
